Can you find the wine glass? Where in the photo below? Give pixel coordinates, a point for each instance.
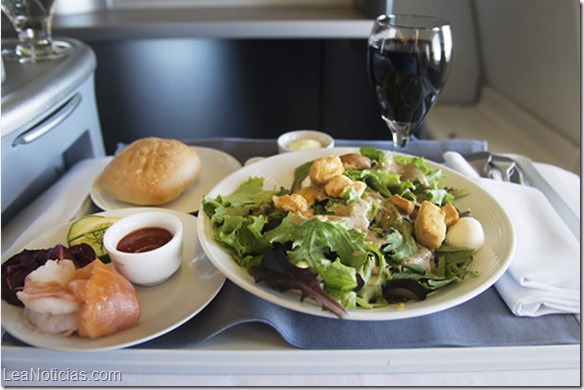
(408, 62)
(32, 20)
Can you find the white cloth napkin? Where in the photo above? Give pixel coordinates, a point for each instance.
(544, 275)
(59, 204)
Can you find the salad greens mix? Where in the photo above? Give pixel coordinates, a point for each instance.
(354, 246)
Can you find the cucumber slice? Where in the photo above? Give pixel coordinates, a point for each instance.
(90, 230)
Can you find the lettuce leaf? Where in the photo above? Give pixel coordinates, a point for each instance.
(314, 240)
(336, 275)
(300, 173)
(451, 266)
(453, 262)
(433, 191)
(400, 241)
(234, 225)
(243, 237)
(277, 271)
(248, 197)
(351, 269)
(373, 153)
(386, 183)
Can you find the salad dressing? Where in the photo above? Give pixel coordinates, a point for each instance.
(407, 172)
(355, 214)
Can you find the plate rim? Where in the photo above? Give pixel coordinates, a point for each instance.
(380, 314)
(218, 282)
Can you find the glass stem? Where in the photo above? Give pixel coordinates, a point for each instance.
(399, 139)
(400, 132)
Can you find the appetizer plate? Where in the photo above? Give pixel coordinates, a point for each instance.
(215, 165)
(491, 261)
(163, 307)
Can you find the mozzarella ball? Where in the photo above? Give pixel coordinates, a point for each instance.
(466, 233)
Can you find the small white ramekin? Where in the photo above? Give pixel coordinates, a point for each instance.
(151, 267)
(287, 140)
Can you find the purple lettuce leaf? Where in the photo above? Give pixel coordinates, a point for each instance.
(279, 273)
(16, 268)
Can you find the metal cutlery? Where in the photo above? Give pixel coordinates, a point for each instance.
(504, 167)
(520, 170)
(496, 166)
(510, 170)
(480, 162)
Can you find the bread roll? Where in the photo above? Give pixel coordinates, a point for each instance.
(151, 171)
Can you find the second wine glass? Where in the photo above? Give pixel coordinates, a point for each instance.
(408, 63)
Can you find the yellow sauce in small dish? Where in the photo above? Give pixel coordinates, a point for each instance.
(304, 144)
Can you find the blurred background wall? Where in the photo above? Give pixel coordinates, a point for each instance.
(178, 75)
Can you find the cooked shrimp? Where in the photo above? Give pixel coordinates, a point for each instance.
(45, 289)
(49, 306)
(52, 323)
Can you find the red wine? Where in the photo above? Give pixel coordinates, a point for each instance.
(407, 76)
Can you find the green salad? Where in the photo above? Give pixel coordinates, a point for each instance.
(363, 230)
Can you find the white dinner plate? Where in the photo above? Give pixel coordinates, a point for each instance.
(215, 166)
(491, 261)
(163, 307)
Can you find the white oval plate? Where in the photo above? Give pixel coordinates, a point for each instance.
(163, 307)
(491, 261)
(215, 166)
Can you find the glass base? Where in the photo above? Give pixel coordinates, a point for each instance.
(58, 49)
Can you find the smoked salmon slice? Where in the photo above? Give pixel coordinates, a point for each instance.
(107, 301)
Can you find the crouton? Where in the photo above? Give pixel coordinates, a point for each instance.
(325, 168)
(403, 204)
(312, 194)
(293, 203)
(337, 186)
(450, 214)
(429, 226)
